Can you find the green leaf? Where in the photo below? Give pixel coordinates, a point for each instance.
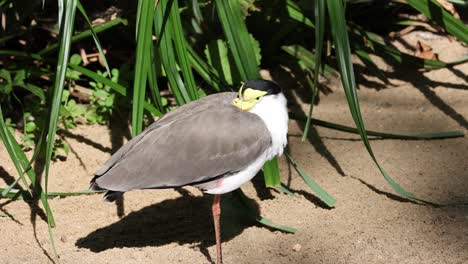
(85, 34)
(319, 38)
(7, 139)
(239, 39)
(434, 11)
(295, 12)
(164, 31)
(75, 59)
(208, 73)
(144, 34)
(307, 58)
(36, 90)
(95, 37)
(252, 213)
(178, 38)
(366, 59)
(392, 54)
(18, 157)
(66, 32)
(343, 51)
(423, 136)
(216, 52)
(115, 86)
(321, 193)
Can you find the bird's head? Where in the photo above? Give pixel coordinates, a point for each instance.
(252, 93)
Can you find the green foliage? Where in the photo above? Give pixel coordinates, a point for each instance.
(102, 99)
(69, 111)
(30, 131)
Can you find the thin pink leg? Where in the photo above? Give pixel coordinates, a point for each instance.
(216, 210)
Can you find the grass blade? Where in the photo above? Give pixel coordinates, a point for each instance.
(392, 54)
(181, 50)
(366, 59)
(434, 11)
(85, 34)
(18, 194)
(319, 38)
(153, 80)
(423, 136)
(113, 85)
(66, 32)
(271, 168)
(6, 137)
(142, 65)
(235, 30)
(321, 193)
(295, 13)
(208, 73)
(163, 28)
(307, 58)
(343, 51)
(95, 37)
(252, 213)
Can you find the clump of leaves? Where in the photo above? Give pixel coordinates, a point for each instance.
(70, 111)
(29, 131)
(75, 59)
(102, 100)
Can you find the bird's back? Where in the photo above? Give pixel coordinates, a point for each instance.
(195, 143)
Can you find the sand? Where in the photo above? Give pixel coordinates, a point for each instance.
(370, 224)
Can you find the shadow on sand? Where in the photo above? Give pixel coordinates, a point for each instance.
(184, 220)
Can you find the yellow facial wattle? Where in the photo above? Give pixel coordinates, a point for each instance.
(248, 99)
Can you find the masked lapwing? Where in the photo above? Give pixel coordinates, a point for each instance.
(216, 143)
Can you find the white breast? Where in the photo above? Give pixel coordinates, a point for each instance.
(273, 111)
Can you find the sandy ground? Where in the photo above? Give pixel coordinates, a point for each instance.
(369, 224)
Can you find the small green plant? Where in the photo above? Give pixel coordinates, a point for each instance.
(75, 59)
(102, 100)
(29, 131)
(70, 111)
(60, 150)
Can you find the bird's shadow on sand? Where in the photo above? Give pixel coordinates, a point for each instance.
(184, 220)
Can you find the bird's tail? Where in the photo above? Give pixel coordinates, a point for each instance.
(109, 196)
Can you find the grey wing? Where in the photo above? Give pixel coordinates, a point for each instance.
(196, 148)
(180, 113)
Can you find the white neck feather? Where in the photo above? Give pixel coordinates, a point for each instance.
(273, 111)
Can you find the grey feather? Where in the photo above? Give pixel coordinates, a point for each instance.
(195, 143)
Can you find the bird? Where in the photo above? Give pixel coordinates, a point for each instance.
(216, 143)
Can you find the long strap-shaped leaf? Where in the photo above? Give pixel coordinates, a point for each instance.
(95, 37)
(235, 30)
(8, 142)
(86, 33)
(207, 72)
(181, 50)
(21, 158)
(144, 34)
(252, 213)
(319, 37)
(343, 52)
(113, 85)
(434, 11)
(321, 193)
(239, 40)
(18, 194)
(66, 32)
(348, 129)
(164, 32)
